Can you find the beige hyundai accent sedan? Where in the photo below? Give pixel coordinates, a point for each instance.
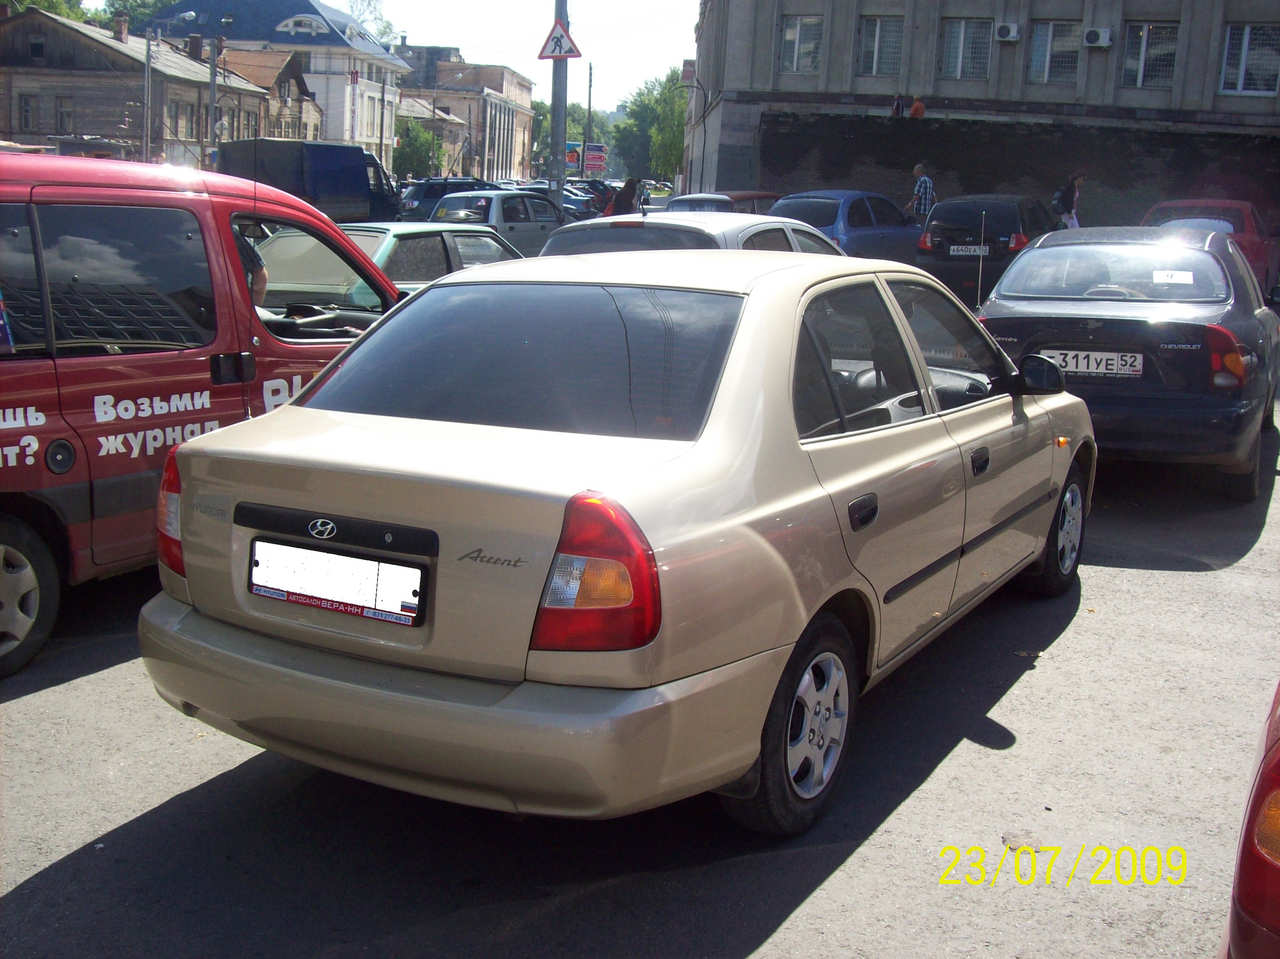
(580, 536)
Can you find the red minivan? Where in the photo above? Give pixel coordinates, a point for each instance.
(140, 306)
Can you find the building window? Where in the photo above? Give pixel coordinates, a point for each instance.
(881, 47)
(251, 124)
(189, 121)
(64, 114)
(1251, 59)
(28, 116)
(966, 49)
(35, 46)
(801, 44)
(173, 118)
(1055, 52)
(1149, 51)
(370, 114)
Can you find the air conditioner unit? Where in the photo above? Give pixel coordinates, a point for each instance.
(1097, 37)
(1007, 32)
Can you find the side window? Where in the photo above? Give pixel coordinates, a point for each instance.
(885, 212)
(811, 391)
(806, 242)
(859, 215)
(22, 328)
(963, 366)
(126, 279)
(543, 211)
(767, 240)
(514, 210)
(1252, 291)
(858, 346)
(417, 259)
(476, 248)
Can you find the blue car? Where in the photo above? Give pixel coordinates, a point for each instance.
(860, 223)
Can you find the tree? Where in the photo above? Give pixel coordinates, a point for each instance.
(420, 151)
(138, 11)
(369, 14)
(575, 129)
(71, 9)
(650, 140)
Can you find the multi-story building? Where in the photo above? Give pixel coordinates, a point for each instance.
(354, 78)
(83, 88)
(1150, 96)
(292, 112)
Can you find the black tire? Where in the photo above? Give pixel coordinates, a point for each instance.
(1059, 565)
(1245, 487)
(818, 688)
(29, 594)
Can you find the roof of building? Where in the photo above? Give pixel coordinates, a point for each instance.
(165, 58)
(308, 23)
(421, 109)
(262, 67)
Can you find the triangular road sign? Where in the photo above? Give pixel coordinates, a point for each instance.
(559, 45)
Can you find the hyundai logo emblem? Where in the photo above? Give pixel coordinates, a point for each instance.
(322, 528)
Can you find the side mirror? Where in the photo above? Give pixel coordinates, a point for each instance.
(1274, 296)
(1040, 376)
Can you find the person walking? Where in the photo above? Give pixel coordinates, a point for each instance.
(922, 197)
(624, 201)
(1066, 200)
(917, 108)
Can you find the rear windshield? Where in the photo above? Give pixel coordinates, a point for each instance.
(1166, 213)
(1116, 271)
(816, 211)
(701, 205)
(459, 208)
(1001, 218)
(616, 361)
(634, 235)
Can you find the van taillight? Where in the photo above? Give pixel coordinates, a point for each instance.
(1230, 362)
(925, 242)
(1017, 241)
(168, 516)
(602, 593)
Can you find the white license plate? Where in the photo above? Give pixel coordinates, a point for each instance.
(983, 250)
(1099, 364)
(388, 592)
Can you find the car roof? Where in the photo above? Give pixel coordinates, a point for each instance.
(723, 271)
(465, 193)
(714, 223)
(729, 195)
(418, 226)
(985, 198)
(1150, 235)
(831, 194)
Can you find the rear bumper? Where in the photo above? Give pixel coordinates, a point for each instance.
(1220, 434)
(528, 747)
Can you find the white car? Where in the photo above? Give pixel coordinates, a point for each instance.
(688, 231)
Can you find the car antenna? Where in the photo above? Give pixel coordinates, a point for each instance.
(982, 234)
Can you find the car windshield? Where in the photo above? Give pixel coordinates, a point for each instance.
(1001, 218)
(818, 212)
(617, 361)
(1116, 271)
(368, 240)
(630, 235)
(302, 269)
(1164, 214)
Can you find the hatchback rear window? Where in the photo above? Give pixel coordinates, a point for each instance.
(628, 235)
(616, 361)
(816, 211)
(1164, 214)
(1001, 219)
(1116, 271)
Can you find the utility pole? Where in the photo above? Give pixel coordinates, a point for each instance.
(559, 99)
(146, 103)
(586, 136)
(213, 98)
(382, 120)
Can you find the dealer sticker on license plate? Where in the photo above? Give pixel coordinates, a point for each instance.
(389, 592)
(1099, 364)
(984, 250)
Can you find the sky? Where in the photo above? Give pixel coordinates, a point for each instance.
(627, 45)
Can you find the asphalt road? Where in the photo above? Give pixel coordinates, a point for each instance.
(1124, 714)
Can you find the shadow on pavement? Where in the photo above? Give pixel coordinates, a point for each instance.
(276, 858)
(1171, 517)
(97, 628)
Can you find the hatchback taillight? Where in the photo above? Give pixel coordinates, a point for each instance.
(1017, 241)
(1257, 888)
(1230, 361)
(602, 593)
(168, 516)
(925, 242)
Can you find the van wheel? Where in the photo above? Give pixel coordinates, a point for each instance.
(29, 594)
(806, 733)
(1059, 564)
(1245, 487)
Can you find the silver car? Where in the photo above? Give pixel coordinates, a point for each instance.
(688, 230)
(586, 535)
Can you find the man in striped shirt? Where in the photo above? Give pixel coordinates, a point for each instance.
(922, 198)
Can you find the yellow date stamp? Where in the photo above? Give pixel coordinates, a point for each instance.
(1045, 865)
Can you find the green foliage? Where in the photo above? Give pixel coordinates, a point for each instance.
(369, 13)
(138, 12)
(420, 151)
(575, 125)
(71, 9)
(650, 141)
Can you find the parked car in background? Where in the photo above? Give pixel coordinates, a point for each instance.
(1165, 334)
(414, 254)
(523, 219)
(972, 238)
(129, 325)
(577, 205)
(418, 202)
(1257, 239)
(601, 191)
(860, 223)
(547, 516)
(730, 201)
(1253, 929)
(687, 231)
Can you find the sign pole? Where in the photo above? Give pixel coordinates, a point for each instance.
(559, 103)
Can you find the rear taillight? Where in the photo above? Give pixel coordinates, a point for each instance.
(1018, 241)
(1230, 362)
(1258, 871)
(602, 593)
(925, 242)
(168, 516)
(410, 204)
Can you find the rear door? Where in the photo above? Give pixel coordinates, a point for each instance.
(895, 237)
(891, 468)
